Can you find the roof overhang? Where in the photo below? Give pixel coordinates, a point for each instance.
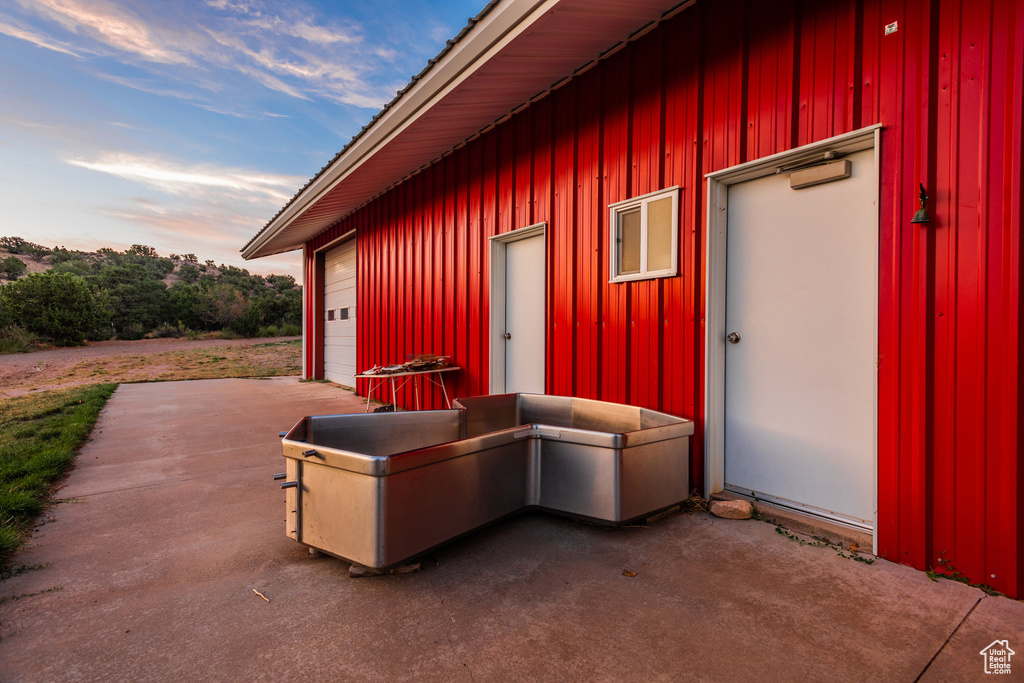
(515, 51)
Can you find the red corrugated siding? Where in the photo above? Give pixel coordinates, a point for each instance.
(721, 84)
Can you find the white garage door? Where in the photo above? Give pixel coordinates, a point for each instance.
(340, 314)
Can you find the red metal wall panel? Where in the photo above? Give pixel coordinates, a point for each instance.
(720, 84)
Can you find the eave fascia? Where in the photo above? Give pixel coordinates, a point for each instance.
(500, 27)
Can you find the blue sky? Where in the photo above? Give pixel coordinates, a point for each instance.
(187, 125)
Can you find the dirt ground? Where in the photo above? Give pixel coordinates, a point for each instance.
(147, 360)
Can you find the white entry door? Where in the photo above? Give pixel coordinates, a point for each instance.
(800, 372)
(523, 335)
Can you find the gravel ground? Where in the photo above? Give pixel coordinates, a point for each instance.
(24, 372)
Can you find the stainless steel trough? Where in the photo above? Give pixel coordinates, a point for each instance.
(379, 489)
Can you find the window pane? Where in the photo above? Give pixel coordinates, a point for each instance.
(659, 234)
(629, 242)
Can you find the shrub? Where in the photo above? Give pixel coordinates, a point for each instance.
(188, 273)
(281, 282)
(134, 296)
(223, 303)
(141, 250)
(289, 330)
(35, 251)
(16, 339)
(164, 331)
(59, 306)
(17, 245)
(75, 266)
(102, 333)
(12, 267)
(249, 322)
(12, 244)
(131, 331)
(60, 255)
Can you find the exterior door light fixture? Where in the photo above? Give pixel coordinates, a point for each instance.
(922, 213)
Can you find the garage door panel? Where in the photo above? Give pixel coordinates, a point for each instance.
(339, 293)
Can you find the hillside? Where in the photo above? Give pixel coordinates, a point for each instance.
(68, 297)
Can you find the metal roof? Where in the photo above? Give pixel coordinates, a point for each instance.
(512, 52)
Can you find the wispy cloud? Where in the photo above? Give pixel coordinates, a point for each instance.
(111, 99)
(272, 82)
(305, 30)
(145, 86)
(27, 123)
(223, 229)
(182, 179)
(36, 39)
(114, 26)
(243, 115)
(283, 47)
(212, 231)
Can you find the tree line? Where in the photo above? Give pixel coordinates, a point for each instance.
(92, 296)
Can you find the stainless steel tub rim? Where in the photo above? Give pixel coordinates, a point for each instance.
(380, 488)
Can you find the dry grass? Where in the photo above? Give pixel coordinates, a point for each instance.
(268, 359)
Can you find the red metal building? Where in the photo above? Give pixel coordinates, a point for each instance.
(547, 116)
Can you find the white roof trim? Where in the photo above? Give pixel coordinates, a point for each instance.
(476, 75)
(499, 27)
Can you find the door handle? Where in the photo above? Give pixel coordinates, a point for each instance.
(732, 338)
(508, 335)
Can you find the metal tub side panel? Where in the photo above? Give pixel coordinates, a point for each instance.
(651, 434)
(485, 414)
(341, 512)
(455, 449)
(555, 411)
(600, 416)
(579, 480)
(611, 484)
(652, 418)
(380, 434)
(653, 476)
(431, 505)
(383, 465)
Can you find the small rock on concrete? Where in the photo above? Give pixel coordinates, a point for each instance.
(732, 509)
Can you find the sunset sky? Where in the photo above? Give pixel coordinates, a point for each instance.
(187, 125)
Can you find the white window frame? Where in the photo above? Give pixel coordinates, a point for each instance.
(613, 224)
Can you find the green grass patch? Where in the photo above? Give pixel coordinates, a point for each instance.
(290, 342)
(40, 435)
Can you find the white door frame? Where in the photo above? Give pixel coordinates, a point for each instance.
(715, 272)
(336, 241)
(499, 243)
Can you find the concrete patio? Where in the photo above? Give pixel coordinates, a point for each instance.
(171, 520)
